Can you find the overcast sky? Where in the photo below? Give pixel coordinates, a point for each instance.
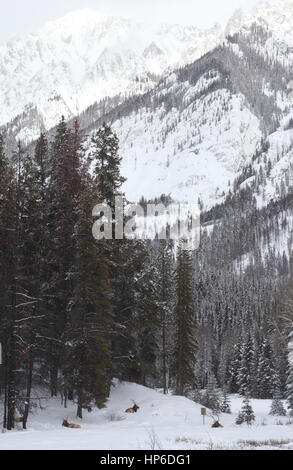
(18, 16)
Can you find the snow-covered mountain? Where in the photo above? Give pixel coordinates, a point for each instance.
(85, 56)
(277, 16)
(201, 126)
(188, 132)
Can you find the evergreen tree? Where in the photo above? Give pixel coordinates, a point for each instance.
(225, 403)
(277, 407)
(146, 315)
(23, 319)
(63, 190)
(211, 397)
(166, 299)
(124, 343)
(89, 322)
(290, 377)
(8, 242)
(106, 168)
(29, 300)
(42, 157)
(246, 415)
(266, 374)
(3, 159)
(105, 155)
(186, 344)
(12, 356)
(234, 368)
(245, 373)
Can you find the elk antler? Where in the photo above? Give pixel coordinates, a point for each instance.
(212, 416)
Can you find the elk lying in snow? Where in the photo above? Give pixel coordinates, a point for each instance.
(71, 426)
(19, 420)
(133, 409)
(216, 423)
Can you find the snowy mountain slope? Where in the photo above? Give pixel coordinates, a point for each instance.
(162, 423)
(277, 16)
(195, 129)
(260, 206)
(194, 132)
(198, 128)
(270, 179)
(197, 159)
(86, 56)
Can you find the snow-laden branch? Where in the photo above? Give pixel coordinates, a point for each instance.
(29, 318)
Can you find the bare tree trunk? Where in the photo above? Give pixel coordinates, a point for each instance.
(79, 405)
(28, 392)
(5, 389)
(11, 366)
(165, 387)
(54, 378)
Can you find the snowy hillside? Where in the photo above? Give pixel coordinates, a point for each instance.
(188, 132)
(273, 171)
(187, 153)
(197, 127)
(277, 16)
(85, 56)
(195, 132)
(162, 423)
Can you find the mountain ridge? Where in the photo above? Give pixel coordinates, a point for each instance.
(192, 130)
(84, 57)
(87, 55)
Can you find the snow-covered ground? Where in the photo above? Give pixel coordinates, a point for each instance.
(162, 423)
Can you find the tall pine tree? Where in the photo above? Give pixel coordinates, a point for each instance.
(186, 343)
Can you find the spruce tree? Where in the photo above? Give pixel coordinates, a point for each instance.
(246, 415)
(23, 318)
(245, 375)
(166, 299)
(234, 368)
(277, 407)
(186, 343)
(8, 243)
(124, 343)
(12, 357)
(147, 314)
(42, 157)
(3, 159)
(266, 374)
(29, 300)
(89, 316)
(135, 347)
(225, 402)
(63, 190)
(127, 258)
(211, 397)
(107, 161)
(290, 377)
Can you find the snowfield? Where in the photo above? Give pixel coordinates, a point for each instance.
(162, 423)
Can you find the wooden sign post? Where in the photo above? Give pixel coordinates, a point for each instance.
(203, 413)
